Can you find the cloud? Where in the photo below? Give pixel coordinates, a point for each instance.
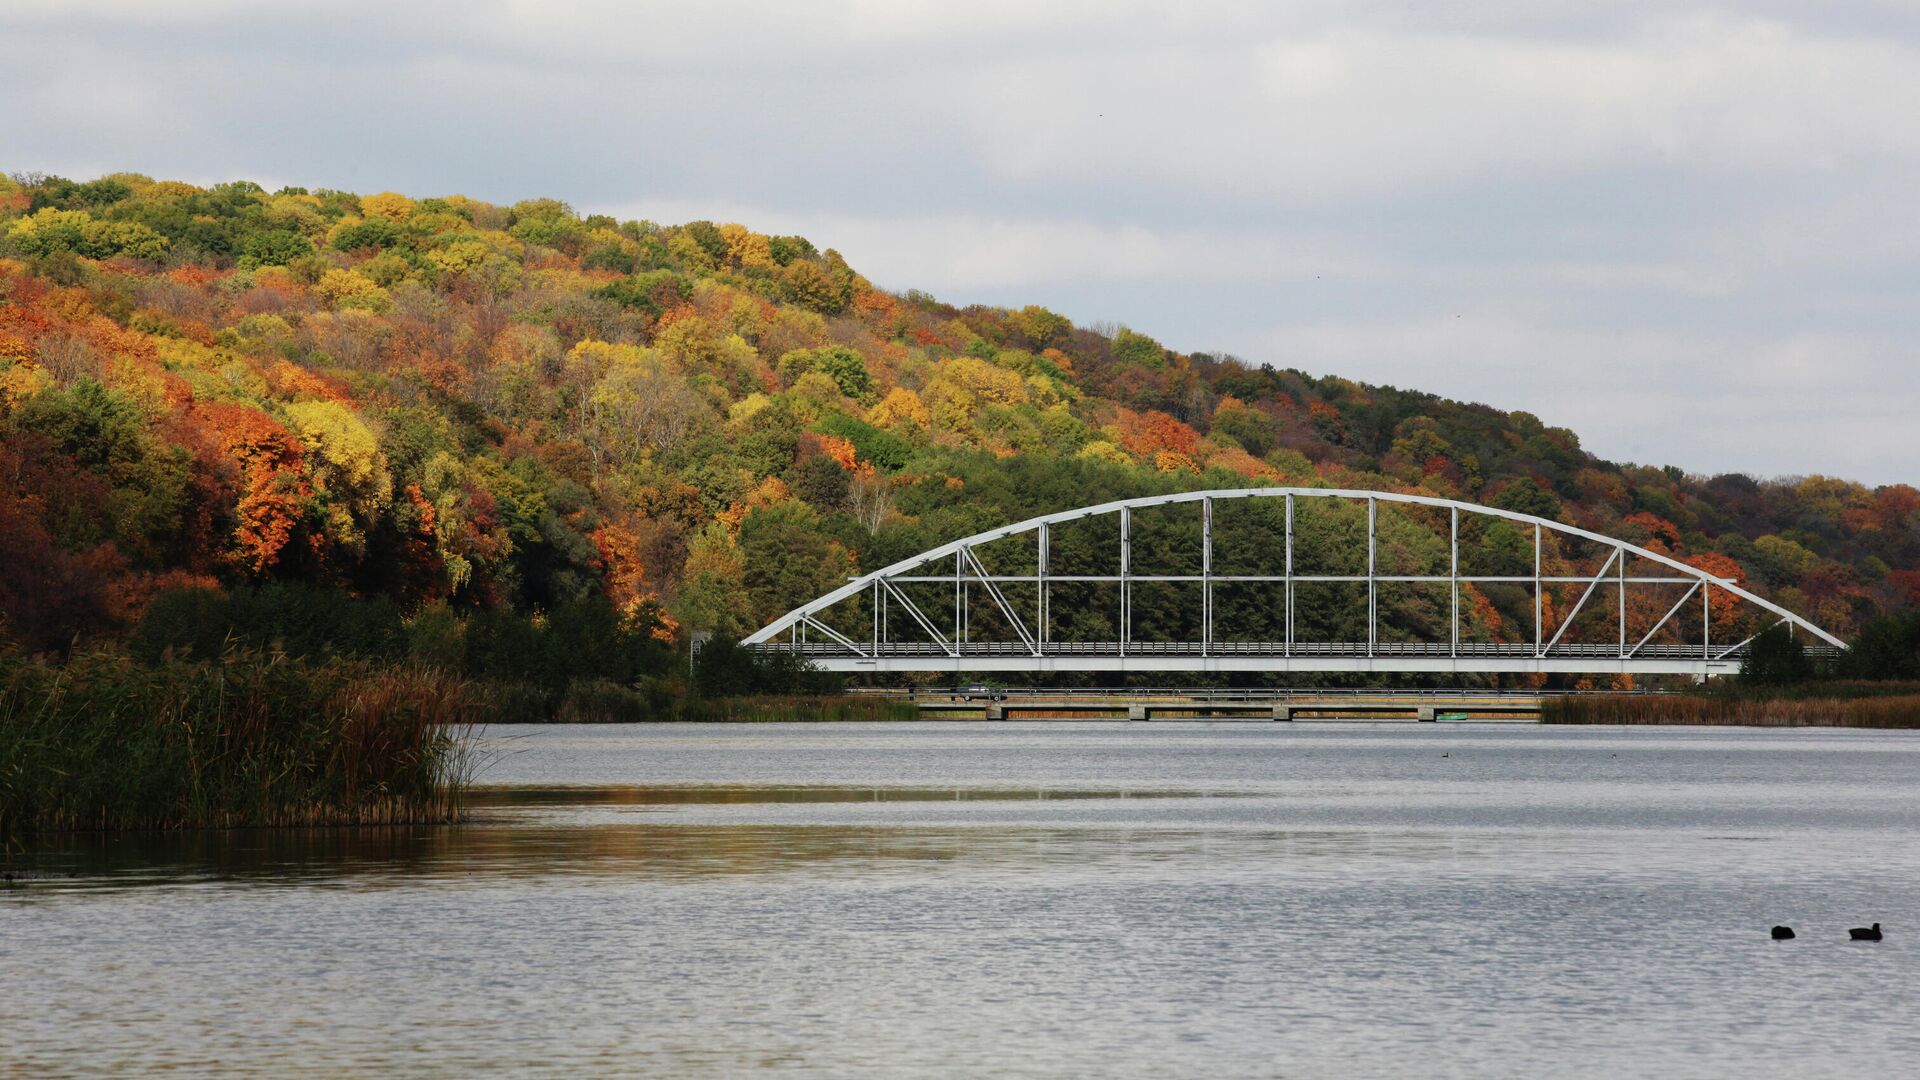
(1815, 402)
(1680, 229)
(967, 252)
(1365, 112)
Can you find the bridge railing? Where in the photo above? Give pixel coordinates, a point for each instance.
(1217, 693)
(1198, 650)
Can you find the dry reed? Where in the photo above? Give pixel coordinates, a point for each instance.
(248, 740)
(1901, 711)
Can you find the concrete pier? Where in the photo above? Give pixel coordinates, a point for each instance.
(1291, 706)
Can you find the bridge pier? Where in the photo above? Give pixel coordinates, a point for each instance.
(1423, 713)
(1283, 712)
(1136, 712)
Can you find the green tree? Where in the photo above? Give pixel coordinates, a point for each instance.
(275, 247)
(788, 560)
(713, 595)
(1776, 658)
(1523, 496)
(1132, 348)
(1888, 648)
(847, 369)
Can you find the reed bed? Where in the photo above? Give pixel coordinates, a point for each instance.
(103, 742)
(1888, 711)
(794, 708)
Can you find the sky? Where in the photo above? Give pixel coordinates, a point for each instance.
(1687, 232)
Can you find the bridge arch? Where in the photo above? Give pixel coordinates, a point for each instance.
(806, 631)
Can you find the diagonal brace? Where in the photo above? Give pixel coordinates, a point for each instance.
(1731, 649)
(1575, 613)
(832, 633)
(914, 610)
(1684, 597)
(1006, 609)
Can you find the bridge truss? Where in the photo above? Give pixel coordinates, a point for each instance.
(898, 618)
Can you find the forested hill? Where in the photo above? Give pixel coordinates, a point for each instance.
(463, 408)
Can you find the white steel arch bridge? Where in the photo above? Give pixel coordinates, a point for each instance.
(1296, 584)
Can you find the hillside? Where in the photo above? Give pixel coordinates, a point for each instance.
(457, 410)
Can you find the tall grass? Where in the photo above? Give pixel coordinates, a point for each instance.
(1890, 711)
(790, 708)
(102, 742)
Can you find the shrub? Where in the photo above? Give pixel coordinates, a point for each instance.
(105, 743)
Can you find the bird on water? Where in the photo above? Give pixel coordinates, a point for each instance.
(1783, 933)
(1865, 933)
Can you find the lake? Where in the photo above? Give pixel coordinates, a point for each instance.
(1022, 899)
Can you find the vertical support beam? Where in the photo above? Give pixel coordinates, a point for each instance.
(1287, 649)
(1126, 577)
(1453, 577)
(959, 618)
(1206, 576)
(1706, 622)
(1040, 573)
(1536, 590)
(1622, 577)
(876, 616)
(1373, 547)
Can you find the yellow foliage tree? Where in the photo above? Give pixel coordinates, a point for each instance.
(691, 255)
(1102, 450)
(387, 205)
(747, 248)
(967, 384)
(349, 468)
(347, 289)
(900, 406)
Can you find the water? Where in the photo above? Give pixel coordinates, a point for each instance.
(1172, 899)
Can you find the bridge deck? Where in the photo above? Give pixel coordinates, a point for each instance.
(1382, 657)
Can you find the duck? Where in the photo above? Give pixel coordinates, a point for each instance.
(1865, 933)
(1783, 933)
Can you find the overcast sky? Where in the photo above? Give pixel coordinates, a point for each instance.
(1687, 232)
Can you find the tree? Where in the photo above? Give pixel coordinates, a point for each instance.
(388, 205)
(359, 235)
(1776, 658)
(276, 247)
(347, 289)
(637, 403)
(1252, 429)
(788, 560)
(1039, 326)
(713, 596)
(806, 283)
(348, 467)
(846, 368)
(1729, 612)
(820, 481)
(1153, 432)
(900, 406)
(1523, 496)
(746, 248)
(1131, 348)
(1888, 648)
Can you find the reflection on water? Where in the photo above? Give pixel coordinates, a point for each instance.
(1020, 900)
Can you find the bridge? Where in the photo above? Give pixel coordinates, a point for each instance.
(1286, 580)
